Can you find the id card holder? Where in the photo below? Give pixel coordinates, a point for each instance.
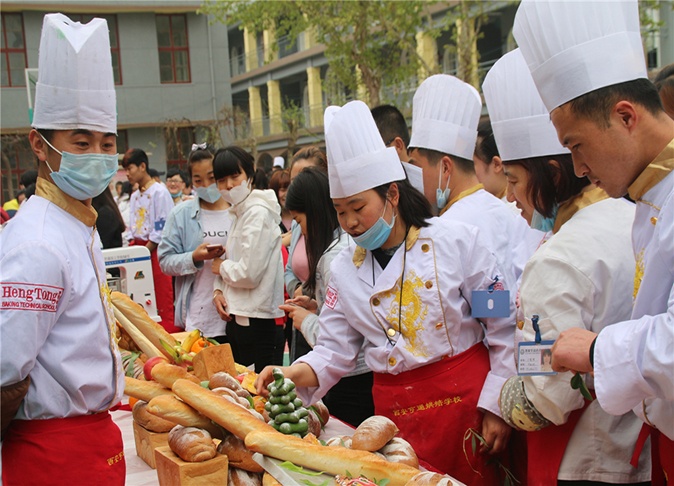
(535, 359)
(490, 303)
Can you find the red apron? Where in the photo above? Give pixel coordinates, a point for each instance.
(76, 450)
(163, 291)
(434, 406)
(662, 455)
(546, 447)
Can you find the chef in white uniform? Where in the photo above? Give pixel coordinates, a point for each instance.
(564, 283)
(588, 65)
(60, 367)
(444, 133)
(403, 294)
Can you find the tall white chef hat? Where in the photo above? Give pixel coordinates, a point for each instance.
(520, 120)
(358, 160)
(279, 162)
(574, 47)
(445, 114)
(75, 86)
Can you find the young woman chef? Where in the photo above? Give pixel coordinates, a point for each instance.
(404, 295)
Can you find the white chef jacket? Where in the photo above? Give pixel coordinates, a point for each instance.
(583, 277)
(634, 360)
(444, 263)
(54, 325)
(506, 234)
(148, 211)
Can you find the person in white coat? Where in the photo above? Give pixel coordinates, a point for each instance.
(309, 203)
(250, 283)
(581, 277)
(404, 296)
(610, 116)
(444, 132)
(60, 368)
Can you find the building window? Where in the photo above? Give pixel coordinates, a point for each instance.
(179, 142)
(114, 40)
(174, 56)
(14, 59)
(122, 141)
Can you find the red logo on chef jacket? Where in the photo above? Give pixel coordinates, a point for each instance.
(331, 297)
(29, 296)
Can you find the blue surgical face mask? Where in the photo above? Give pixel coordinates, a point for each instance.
(441, 197)
(210, 194)
(377, 235)
(540, 222)
(83, 176)
(177, 195)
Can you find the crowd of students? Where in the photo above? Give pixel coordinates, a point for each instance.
(413, 277)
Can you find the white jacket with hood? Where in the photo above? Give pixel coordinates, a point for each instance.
(251, 277)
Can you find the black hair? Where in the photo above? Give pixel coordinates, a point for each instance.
(126, 188)
(136, 156)
(391, 124)
(413, 207)
(265, 161)
(176, 171)
(434, 158)
(27, 178)
(30, 190)
(260, 179)
(597, 105)
(486, 148)
(309, 193)
(106, 199)
(550, 185)
(199, 155)
(231, 161)
(46, 133)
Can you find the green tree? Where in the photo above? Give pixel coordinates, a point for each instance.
(368, 41)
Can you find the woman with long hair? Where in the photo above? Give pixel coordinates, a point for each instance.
(194, 234)
(402, 295)
(250, 283)
(109, 223)
(308, 201)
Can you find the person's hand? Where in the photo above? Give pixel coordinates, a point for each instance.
(495, 432)
(264, 378)
(221, 306)
(215, 266)
(304, 301)
(285, 239)
(571, 351)
(207, 252)
(296, 313)
(298, 292)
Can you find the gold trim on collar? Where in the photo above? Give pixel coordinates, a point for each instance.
(147, 186)
(654, 173)
(591, 194)
(360, 253)
(79, 210)
(461, 195)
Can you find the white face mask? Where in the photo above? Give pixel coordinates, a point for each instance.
(441, 197)
(236, 194)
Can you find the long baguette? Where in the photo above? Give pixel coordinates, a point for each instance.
(138, 337)
(167, 374)
(232, 417)
(170, 408)
(139, 318)
(144, 390)
(332, 460)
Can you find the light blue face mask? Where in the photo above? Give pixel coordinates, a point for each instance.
(441, 196)
(210, 194)
(83, 176)
(377, 234)
(177, 195)
(540, 222)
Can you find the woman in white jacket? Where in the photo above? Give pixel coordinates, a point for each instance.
(250, 287)
(309, 203)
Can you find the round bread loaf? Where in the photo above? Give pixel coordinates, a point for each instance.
(322, 411)
(224, 379)
(149, 421)
(399, 450)
(238, 454)
(191, 444)
(314, 423)
(239, 477)
(373, 433)
(223, 391)
(430, 479)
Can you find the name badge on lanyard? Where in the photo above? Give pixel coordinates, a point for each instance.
(535, 357)
(493, 302)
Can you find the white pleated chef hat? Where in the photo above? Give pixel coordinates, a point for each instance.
(520, 121)
(75, 85)
(574, 47)
(445, 114)
(358, 160)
